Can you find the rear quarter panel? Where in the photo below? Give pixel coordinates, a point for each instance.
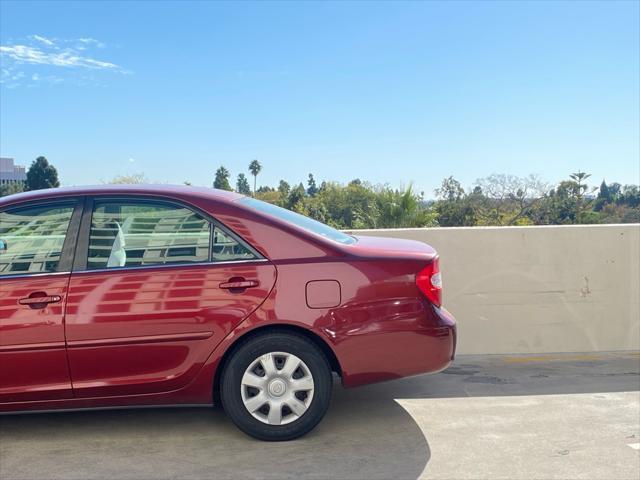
(383, 329)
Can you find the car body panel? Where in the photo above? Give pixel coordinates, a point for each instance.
(132, 331)
(33, 360)
(172, 323)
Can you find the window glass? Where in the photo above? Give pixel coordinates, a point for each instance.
(31, 238)
(301, 221)
(226, 248)
(127, 234)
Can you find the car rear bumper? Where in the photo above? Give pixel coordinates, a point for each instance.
(405, 347)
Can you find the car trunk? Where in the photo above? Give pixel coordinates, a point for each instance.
(385, 247)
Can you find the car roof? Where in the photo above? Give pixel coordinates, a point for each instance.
(144, 189)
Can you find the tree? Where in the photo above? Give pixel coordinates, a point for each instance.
(603, 198)
(604, 191)
(222, 179)
(283, 189)
(255, 168)
(506, 199)
(134, 179)
(11, 188)
(350, 206)
(402, 208)
(615, 189)
(559, 206)
(630, 196)
(579, 177)
(242, 185)
(41, 174)
(295, 201)
(450, 190)
(312, 189)
(453, 207)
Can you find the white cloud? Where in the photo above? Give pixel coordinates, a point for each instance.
(45, 40)
(38, 51)
(92, 41)
(65, 58)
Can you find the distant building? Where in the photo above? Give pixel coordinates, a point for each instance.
(10, 173)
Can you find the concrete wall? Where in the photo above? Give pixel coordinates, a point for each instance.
(539, 289)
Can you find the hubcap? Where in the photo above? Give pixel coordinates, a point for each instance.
(277, 388)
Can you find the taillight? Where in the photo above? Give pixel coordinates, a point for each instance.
(429, 282)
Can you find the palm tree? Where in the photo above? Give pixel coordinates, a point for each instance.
(255, 168)
(222, 179)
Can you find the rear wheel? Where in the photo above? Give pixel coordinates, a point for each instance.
(276, 386)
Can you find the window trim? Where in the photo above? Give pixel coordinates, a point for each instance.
(82, 249)
(68, 250)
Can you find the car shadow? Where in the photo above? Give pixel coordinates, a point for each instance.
(366, 433)
(514, 375)
(374, 439)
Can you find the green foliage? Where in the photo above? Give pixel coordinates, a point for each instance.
(41, 174)
(10, 189)
(450, 190)
(283, 189)
(353, 206)
(402, 208)
(312, 189)
(510, 200)
(494, 200)
(242, 185)
(222, 179)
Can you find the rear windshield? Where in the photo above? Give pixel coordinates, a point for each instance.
(301, 221)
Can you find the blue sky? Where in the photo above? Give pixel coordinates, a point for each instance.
(386, 92)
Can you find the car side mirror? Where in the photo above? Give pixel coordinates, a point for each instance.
(3, 245)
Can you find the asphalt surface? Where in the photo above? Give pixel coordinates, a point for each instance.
(512, 417)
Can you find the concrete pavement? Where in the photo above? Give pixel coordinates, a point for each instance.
(511, 417)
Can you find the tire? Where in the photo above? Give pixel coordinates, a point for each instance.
(257, 377)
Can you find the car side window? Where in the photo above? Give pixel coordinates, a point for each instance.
(130, 233)
(226, 248)
(32, 238)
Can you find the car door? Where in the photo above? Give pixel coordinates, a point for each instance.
(36, 254)
(155, 287)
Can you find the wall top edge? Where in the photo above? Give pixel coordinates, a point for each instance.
(515, 227)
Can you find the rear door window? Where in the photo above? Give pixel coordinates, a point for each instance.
(131, 234)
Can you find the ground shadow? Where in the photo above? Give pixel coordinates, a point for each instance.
(366, 433)
(376, 439)
(503, 375)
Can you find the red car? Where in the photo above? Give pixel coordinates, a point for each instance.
(159, 295)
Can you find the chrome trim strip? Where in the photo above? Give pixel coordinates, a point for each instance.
(171, 265)
(32, 275)
(62, 401)
(23, 347)
(171, 337)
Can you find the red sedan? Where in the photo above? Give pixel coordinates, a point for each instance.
(158, 295)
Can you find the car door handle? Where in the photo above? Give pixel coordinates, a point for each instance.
(238, 284)
(39, 300)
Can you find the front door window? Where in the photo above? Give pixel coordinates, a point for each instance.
(31, 238)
